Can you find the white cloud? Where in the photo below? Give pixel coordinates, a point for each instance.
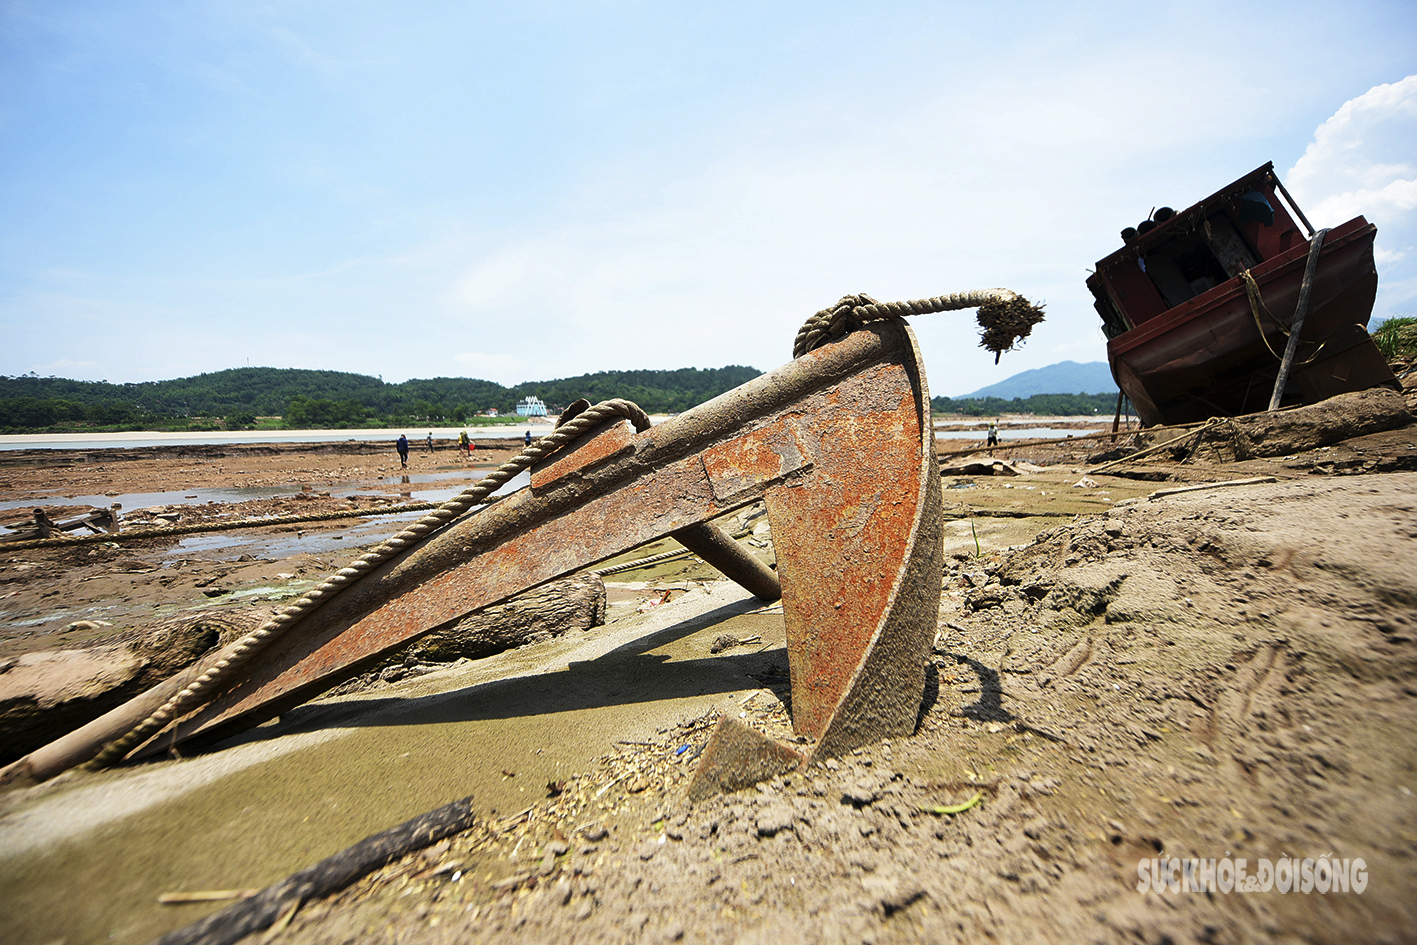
(1390, 204)
(1363, 160)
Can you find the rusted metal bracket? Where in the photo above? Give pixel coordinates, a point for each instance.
(838, 444)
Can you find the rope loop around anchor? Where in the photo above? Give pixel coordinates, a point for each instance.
(1005, 317)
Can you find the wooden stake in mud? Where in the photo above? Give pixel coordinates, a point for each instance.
(1296, 325)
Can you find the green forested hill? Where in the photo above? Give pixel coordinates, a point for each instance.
(303, 398)
(1042, 405)
(667, 391)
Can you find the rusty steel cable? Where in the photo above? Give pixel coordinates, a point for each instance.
(252, 643)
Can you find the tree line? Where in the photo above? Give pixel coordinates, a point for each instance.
(295, 398)
(241, 398)
(1042, 405)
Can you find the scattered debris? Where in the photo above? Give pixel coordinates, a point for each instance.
(955, 808)
(98, 522)
(727, 641)
(979, 467)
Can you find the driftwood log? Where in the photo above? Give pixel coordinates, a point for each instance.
(330, 875)
(38, 707)
(41, 525)
(542, 613)
(46, 694)
(1293, 431)
(573, 603)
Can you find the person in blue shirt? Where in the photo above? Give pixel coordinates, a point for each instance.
(402, 447)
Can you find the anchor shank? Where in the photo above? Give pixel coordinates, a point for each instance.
(711, 543)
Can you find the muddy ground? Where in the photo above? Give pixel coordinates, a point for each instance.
(42, 593)
(1216, 674)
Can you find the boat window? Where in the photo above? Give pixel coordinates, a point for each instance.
(1229, 247)
(1184, 267)
(1168, 278)
(1198, 264)
(1113, 324)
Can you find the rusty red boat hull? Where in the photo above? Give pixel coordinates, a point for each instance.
(1217, 355)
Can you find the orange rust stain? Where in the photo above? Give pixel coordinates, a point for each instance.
(842, 542)
(602, 446)
(747, 462)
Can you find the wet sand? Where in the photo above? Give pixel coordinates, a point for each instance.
(606, 711)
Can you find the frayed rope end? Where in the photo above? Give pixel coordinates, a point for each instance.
(1006, 322)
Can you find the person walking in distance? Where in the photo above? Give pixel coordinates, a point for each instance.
(430, 442)
(463, 444)
(528, 438)
(402, 447)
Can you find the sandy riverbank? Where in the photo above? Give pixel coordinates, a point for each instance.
(444, 437)
(1216, 674)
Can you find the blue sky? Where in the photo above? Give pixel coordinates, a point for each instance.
(528, 191)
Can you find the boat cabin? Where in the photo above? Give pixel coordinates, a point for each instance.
(1197, 306)
(1170, 258)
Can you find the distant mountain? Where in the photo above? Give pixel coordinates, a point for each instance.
(1065, 377)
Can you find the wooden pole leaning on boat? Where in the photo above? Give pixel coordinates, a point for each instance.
(1292, 205)
(1296, 325)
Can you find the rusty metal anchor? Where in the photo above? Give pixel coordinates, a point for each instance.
(838, 443)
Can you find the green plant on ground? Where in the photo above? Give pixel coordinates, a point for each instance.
(240, 420)
(1397, 337)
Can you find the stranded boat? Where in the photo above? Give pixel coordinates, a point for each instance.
(1197, 306)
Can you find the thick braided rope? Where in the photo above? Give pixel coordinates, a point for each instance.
(163, 531)
(855, 310)
(252, 643)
